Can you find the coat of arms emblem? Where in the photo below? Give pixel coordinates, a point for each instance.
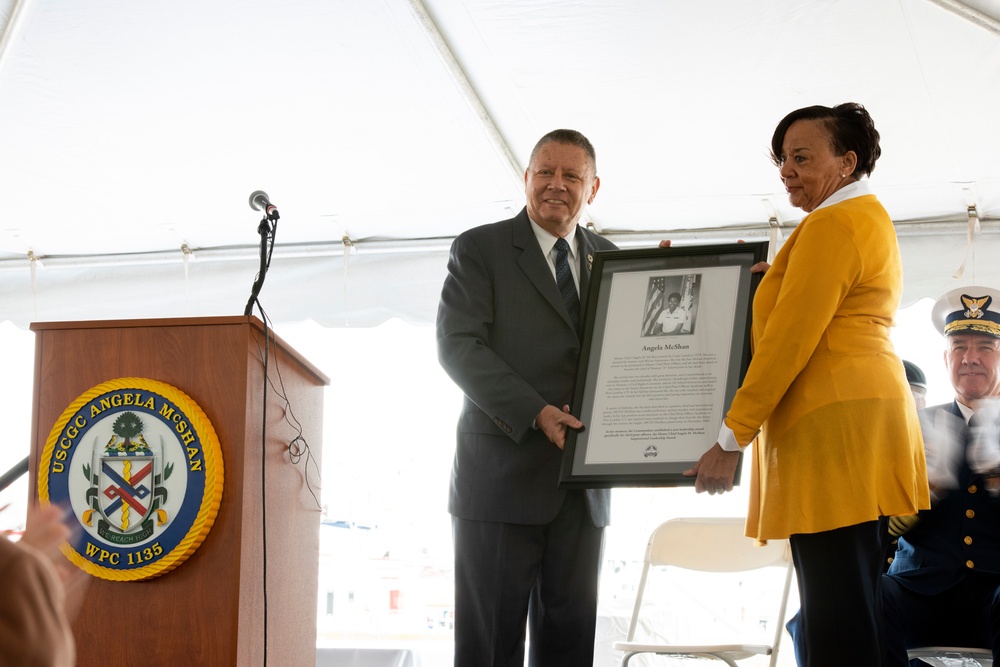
(127, 487)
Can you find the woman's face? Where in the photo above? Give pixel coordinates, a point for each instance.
(809, 169)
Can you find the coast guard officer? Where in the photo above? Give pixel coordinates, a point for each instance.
(943, 585)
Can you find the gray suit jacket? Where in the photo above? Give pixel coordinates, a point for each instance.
(505, 338)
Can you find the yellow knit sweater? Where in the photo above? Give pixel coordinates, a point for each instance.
(840, 442)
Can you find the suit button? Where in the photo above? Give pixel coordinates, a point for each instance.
(502, 424)
(967, 540)
(969, 564)
(970, 514)
(972, 488)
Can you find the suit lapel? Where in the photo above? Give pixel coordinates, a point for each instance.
(587, 250)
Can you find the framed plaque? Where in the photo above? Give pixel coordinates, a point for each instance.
(666, 345)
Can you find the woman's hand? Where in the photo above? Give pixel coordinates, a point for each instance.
(715, 470)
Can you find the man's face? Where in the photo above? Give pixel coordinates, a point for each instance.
(973, 360)
(557, 184)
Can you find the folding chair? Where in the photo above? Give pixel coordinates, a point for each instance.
(708, 545)
(952, 656)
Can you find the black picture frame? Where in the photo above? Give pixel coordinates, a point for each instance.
(654, 384)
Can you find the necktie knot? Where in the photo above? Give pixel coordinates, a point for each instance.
(564, 279)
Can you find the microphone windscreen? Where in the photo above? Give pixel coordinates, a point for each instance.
(259, 200)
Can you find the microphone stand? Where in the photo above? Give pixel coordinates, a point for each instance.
(266, 233)
(258, 201)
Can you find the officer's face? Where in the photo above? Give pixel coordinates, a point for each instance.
(974, 363)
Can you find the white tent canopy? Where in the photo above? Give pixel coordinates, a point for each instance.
(132, 133)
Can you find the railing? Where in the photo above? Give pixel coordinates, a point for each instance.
(13, 474)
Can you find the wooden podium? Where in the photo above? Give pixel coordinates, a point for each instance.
(210, 610)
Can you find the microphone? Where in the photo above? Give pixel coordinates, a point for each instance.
(260, 202)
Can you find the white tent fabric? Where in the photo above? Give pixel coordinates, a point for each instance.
(131, 135)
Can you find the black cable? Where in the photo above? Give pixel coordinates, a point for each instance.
(267, 234)
(263, 470)
(297, 446)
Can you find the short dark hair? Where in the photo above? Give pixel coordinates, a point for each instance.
(571, 137)
(674, 295)
(850, 128)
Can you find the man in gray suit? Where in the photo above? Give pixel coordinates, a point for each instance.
(509, 335)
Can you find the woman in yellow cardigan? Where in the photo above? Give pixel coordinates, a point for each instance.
(839, 444)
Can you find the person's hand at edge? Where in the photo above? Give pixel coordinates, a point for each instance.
(46, 531)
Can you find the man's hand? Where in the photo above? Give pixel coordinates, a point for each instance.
(715, 470)
(553, 423)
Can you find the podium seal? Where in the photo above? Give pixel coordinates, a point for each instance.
(139, 465)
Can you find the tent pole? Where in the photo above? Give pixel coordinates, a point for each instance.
(469, 91)
(10, 30)
(970, 14)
